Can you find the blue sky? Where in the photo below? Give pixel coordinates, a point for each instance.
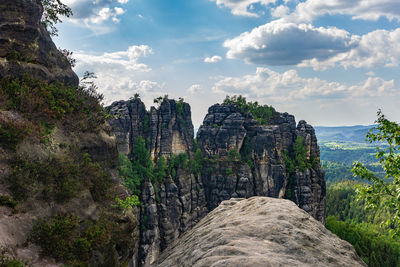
(331, 62)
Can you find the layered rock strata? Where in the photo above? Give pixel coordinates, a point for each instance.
(259, 169)
(262, 170)
(26, 46)
(259, 231)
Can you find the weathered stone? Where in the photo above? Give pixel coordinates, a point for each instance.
(259, 231)
(224, 129)
(26, 46)
(177, 204)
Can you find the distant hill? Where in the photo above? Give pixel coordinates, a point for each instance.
(342, 133)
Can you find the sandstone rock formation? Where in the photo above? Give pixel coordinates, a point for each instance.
(169, 128)
(259, 231)
(179, 203)
(26, 46)
(27, 49)
(265, 173)
(174, 206)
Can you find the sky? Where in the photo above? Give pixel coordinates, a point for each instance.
(329, 62)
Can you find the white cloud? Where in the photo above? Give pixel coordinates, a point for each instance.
(286, 43)
(280, 11)
(291, 87)
(114, 61)
(282, 43)
(358, 9)
(195, 88)
(213, 59)
(95, 14)
(242, 7)
(120, 74)
(379, 48)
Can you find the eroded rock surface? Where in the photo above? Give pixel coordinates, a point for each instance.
(174, 206)
(262, 170)
(26, 46)
(259, 231)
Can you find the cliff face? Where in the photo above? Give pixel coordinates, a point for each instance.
(26, 46)
(259, 231)
(241, 159)
(58, 179)
(172, 207)
(262, 170)
(168, 129)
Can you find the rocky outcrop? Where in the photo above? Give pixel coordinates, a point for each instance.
(241, 159)
(262, 170)
(259, 231)
(168, 128)
(174, 206)
(85, 161)
(26, 46)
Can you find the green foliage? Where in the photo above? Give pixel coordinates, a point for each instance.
(342, 203)
(262, 114)
(246, 152)
(196, 165)
(6, 261)
(233, 155)
(128, 203)
(12, 134)
(388, 188)
(176, 162)
(300, 154)
(374, 248)
(6, 200)
(289, 163)
(53, 9)
(180, 107)
(58, 179)
(160, 171)
(135, 171)
(145, 125)
(66, 239)
(43, 102)
(228, 171)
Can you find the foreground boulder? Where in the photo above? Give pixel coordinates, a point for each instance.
(259, 231)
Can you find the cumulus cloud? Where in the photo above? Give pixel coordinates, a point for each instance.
(358, 9)
(287, 43)
(289, 86)
(121, 74)
(282, 43)
(280, 11)
(213, 59)
(94, 14)
(127, 60)
(375, 49)
(195, 88)
(242, 7)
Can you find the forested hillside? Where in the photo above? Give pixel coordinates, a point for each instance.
(346, 216)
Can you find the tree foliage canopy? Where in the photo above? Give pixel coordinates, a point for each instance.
(261, 113)
(387, 188)
(53, 10)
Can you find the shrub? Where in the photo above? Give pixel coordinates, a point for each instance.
(374, 248)
(12, 134)
(6, 261)
(263, 114)
(129, 202)
(233, 155)
(58, 179)
(6, 200)
(40, 101)
(228, 171)
(67, 239)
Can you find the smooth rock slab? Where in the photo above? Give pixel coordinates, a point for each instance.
(259, 231)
